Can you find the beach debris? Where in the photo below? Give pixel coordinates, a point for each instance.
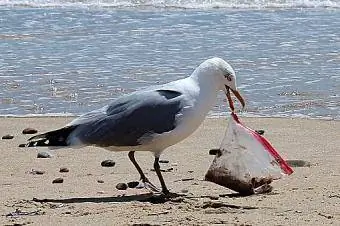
(7, 137)
(121, 186)
(185, 179)
(334, 196)
(298, 163)
(245, 162)
(19, 212)
(211, 204)
(108, 163)
(133, 184)
(163, 161)
(326, 215)
(29, 131)
(100, 181)
(164, 170)
(64, 170)
(22, 145)
(44, 154)
(144, 224)
(37, 172)
(158, 213)
(58, 180)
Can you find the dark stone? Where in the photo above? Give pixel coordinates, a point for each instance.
(133, 184)
(163, 161)
(22, 145)
(298, 163)
(64, 170)
(215, 152)
(260, 131)
(100, 181)
(108, 163)
(7, 137)
(29, 131)
(121, 186)
(58, 180)
(44, 154)
(37, 172)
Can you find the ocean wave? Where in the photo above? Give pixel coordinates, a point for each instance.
(180, 4)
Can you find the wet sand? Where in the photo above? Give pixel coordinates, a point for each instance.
(311, 195)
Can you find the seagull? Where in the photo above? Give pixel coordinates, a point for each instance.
(151, 119)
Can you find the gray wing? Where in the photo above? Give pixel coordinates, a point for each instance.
(127, 119)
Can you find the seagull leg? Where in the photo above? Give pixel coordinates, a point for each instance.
(160, 177)
(144, 179)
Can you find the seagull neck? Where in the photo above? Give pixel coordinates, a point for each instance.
(207, 94)
(206, 83)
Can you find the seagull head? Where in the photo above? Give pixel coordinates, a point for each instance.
(223, 75)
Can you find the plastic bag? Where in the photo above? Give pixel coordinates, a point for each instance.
(245, 160)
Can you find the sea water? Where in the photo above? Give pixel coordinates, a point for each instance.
(69, 57)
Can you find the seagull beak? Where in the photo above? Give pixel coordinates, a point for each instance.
(237, 95)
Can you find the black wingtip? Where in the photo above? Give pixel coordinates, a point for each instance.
(52, 138)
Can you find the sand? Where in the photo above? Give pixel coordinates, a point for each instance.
(310, 196)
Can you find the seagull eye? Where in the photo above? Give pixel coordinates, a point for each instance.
(228, 77)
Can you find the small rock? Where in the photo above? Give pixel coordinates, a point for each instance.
(44, 154)
(100, 181)
(37, 172)
(184, 190)
(298, 163)
(22, 145)
(215, 151)
(7, 137)
(64, 170)
(133, 184)
(108, 163)
(58, 180)
(163, 161)
(29, 131)
(260, 131)
(121, 186)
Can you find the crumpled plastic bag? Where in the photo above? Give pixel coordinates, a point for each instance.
(245, 160)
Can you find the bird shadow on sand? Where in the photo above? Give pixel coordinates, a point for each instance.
(152, 198)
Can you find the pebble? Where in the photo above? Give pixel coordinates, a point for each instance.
(100, 181)
(7, 137)
(44, 154)
(298, 163)
(108, 163)
(184, 190)
(64, 170)
(163, 161)
(58, 180)
(133, 184)
(260, 131)
(29, 131)
(37, 172)
(22, 145)
(121, 186)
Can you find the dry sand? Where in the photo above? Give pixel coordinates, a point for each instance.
(310, 196)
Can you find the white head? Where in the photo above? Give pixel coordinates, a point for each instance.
(220, 73)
